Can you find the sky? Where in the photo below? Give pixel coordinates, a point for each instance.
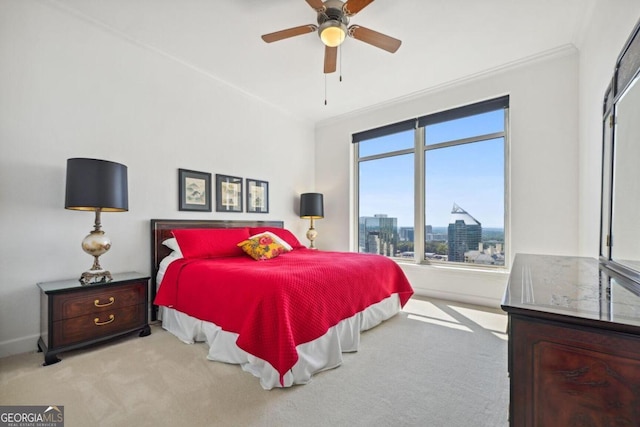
(469, 175)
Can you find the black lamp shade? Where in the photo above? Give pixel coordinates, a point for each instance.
(93, 183)
(311, 205)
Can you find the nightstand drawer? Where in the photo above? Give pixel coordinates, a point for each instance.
(95, 325)
(67, 306)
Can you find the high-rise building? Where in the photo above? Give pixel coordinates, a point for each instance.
(406, 234)
(465, 234)
(378, 234)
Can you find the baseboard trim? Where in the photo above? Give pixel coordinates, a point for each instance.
(19, 345)
(456, 297)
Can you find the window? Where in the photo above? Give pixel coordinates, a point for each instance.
(432, 189)
(386, 190)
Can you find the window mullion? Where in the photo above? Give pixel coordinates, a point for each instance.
(419, 197)
(355, 224)
(469, 140)
(385, 155)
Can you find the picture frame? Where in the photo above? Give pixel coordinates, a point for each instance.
(228, 193)
(257, 196)
(194, 190)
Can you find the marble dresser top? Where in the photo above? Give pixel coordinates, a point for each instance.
(578, 287)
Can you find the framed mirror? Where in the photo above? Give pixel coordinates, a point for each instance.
(620, 213)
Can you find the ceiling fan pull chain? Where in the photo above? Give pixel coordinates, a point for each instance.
(340, 50)
(325, 89)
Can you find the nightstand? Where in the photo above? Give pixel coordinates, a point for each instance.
(73, 315)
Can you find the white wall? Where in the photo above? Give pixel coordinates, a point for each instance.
(71, 89)
(543, 160)
(609, 28)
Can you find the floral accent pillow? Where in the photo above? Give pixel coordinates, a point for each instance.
(262, 247)
(276, 238)
(283, 233)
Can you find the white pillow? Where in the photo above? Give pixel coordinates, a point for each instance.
(164, 264)
(286, 246)
(172, 244)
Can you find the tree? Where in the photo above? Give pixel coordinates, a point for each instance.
(442, 248)
(404, 247)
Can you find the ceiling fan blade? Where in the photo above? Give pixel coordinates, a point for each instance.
(351, 7)
(318, 5)
(330, 57)
(374, 38)
(289, 32)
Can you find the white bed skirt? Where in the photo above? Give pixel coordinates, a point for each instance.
(314, 356)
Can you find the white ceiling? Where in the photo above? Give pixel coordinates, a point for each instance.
(443, 41)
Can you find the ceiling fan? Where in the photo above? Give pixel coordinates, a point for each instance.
(333, 18)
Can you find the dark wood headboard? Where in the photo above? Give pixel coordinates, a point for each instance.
(161, 231)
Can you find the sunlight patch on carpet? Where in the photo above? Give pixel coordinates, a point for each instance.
(503, 337)
(452, 325)
(457, 316)
(426, 309)
(490, 321)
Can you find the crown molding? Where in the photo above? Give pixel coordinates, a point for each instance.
(558, 52)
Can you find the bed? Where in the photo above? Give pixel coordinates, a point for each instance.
(283, 314)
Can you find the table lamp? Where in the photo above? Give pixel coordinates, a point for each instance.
(99, 186)
(311, 207)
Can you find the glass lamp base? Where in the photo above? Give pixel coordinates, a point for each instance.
(96, 244)
(311, 235)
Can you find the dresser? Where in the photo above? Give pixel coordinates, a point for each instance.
(74, 315)
(574, 344)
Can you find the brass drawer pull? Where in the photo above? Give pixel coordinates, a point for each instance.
(111, 301)
(99, 323)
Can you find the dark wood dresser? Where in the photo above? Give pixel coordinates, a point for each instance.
(574, 344)
(74, 315)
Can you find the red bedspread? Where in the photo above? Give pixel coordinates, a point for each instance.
(275, 305)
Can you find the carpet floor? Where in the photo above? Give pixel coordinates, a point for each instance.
(435, 364)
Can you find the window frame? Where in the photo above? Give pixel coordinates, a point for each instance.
(419, 151)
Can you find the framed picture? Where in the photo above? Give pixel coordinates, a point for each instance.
(257, 196)
(194, 190)
(228, 193)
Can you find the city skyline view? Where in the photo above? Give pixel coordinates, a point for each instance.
(464, 240)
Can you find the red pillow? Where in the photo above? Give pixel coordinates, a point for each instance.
(211, 242)
(282, 233)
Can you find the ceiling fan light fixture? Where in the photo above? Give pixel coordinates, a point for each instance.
(332, 33)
